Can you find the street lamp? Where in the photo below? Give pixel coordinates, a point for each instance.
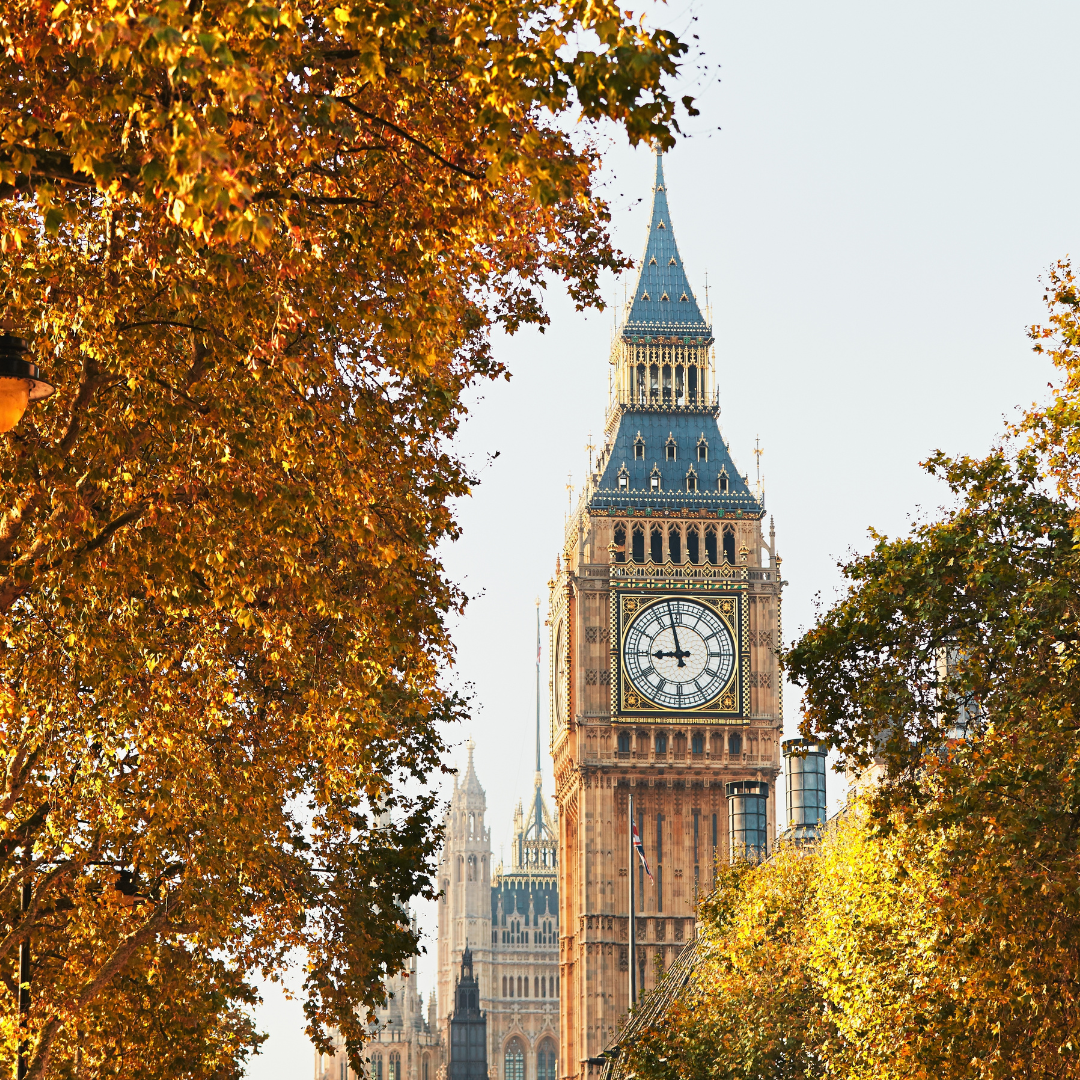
(20, 381)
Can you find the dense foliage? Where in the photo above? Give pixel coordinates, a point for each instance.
(935, 930)
(258, 248)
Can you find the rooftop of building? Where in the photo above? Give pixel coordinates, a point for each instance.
(655, 431)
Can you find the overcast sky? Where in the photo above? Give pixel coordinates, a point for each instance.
(874, 191)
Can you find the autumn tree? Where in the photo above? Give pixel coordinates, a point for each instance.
(751, 1009)
(951, 663)
(258, 249)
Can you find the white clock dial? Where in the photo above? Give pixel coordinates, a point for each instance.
(678, 653)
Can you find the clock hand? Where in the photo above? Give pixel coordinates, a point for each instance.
(678, 653)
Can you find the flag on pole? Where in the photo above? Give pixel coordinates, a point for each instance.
(639, 847)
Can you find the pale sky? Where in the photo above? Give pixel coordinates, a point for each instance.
(874, 191)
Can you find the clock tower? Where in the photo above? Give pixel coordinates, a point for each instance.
(664, 622)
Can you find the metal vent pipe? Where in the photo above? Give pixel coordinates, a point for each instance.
(804, 769)
(748, 819)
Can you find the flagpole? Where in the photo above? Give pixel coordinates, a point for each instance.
(633, 937)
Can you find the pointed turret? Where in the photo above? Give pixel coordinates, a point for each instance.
(470, 783)
(663, 300)
(535, 828)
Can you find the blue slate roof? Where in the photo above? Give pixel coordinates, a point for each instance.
(686, 426)
(663, 300)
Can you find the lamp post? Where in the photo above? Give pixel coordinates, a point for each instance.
(20, 381)
(22, 1060)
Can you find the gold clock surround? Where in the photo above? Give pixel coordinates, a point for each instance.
(728, 706)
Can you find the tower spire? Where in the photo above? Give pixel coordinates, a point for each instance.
(663, 300)
(538, 799)
(538, 686)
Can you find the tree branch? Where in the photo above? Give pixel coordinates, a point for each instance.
(21, 833)
(410, 138)
(25, 923)
(119, 959)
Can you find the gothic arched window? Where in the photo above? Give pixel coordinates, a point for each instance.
(546, 1062)
(624, 742)
(654, 479)
(376, 1067)
(395, 1066)
(693, 552)
(514, 1061)
(710, 544)
(697, 743)
(504, 986)
(624, 478)
(703, 448)
(639, 544)
(691, 479)
(674, 540)
(424, 1070)
(671, 449)
(722, 480)
(729, 545)
(656, 543)
(734, 744)
(619, 538)
(661, 744)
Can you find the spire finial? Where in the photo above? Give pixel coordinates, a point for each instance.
(538, 686)
(659, 185)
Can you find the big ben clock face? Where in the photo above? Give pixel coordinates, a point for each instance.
(678, 654)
